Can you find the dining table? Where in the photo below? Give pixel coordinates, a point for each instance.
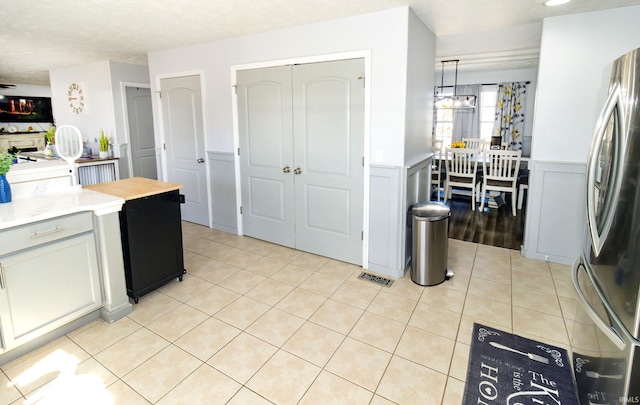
(524, 169)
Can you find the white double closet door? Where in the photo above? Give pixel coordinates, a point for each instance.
(301, 133)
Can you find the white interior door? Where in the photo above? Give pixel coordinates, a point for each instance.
(140, 122)
(328, 100)
(301, 151)
(266, 154)
(184, 144)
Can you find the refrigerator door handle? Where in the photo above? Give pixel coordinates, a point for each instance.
(599, 237)
(606, 329)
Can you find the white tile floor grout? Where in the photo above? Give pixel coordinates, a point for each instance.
(257, 323)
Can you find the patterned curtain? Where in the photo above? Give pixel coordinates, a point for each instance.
(509, 122)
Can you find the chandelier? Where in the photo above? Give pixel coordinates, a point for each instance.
(455, 100)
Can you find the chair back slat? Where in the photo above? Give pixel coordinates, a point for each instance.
(502, 165)
(462, 166)
(500, 168)
(475, 143)
(463, 162)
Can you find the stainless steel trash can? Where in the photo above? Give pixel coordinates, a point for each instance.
(430, 233)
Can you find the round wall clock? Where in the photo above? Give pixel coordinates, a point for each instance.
(75, 96)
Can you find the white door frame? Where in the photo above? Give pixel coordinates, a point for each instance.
(161, 137)
(363, 54)
(126, 142)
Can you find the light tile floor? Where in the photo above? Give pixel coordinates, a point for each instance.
(257, 323)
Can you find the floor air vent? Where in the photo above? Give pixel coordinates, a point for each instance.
(376, 279)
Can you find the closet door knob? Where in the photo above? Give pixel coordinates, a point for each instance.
(297, 171)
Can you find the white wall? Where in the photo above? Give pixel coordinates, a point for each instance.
(27, 90)
(98, 113)
(516, 43)
(388, 71)
(104, 99)
(419, 83)
(575, 54)
(387, 85)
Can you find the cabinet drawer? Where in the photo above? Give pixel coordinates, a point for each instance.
(37, 233)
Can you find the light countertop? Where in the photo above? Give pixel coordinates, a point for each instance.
(42, 191)
(23, 211)
(135, 187)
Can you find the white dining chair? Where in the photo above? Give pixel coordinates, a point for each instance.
(500, 173)
(437, 166)
(476, 143)
(462, 172)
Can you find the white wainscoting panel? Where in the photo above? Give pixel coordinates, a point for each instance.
(555, 220)
(386, 219)
(223, 191)
(418, 187)
(393, 190)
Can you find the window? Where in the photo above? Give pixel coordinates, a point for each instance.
(444, 125)
(488, 99)
(486, 109)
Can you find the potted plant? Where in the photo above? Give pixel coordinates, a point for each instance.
(104, 145)
(50, 135)
(6, 160)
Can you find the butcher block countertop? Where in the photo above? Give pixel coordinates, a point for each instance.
(135, 187)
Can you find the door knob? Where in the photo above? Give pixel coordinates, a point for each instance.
(200, 160)
(297, 171)
(286, 169)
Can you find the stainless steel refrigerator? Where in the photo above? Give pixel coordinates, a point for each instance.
(606, 330)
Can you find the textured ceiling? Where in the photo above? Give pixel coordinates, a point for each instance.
(36, 36)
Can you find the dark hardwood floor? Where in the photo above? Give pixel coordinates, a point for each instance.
(493, 226)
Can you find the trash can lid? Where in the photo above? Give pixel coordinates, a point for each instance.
(430, 210)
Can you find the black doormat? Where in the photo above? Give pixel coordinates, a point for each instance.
(510, 369)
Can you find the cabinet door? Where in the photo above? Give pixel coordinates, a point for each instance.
(152, 242)
(46, 287)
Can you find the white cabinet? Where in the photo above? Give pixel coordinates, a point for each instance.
(98, 171)
(49, 276)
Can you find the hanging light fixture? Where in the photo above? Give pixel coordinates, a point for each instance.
(455, 100)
